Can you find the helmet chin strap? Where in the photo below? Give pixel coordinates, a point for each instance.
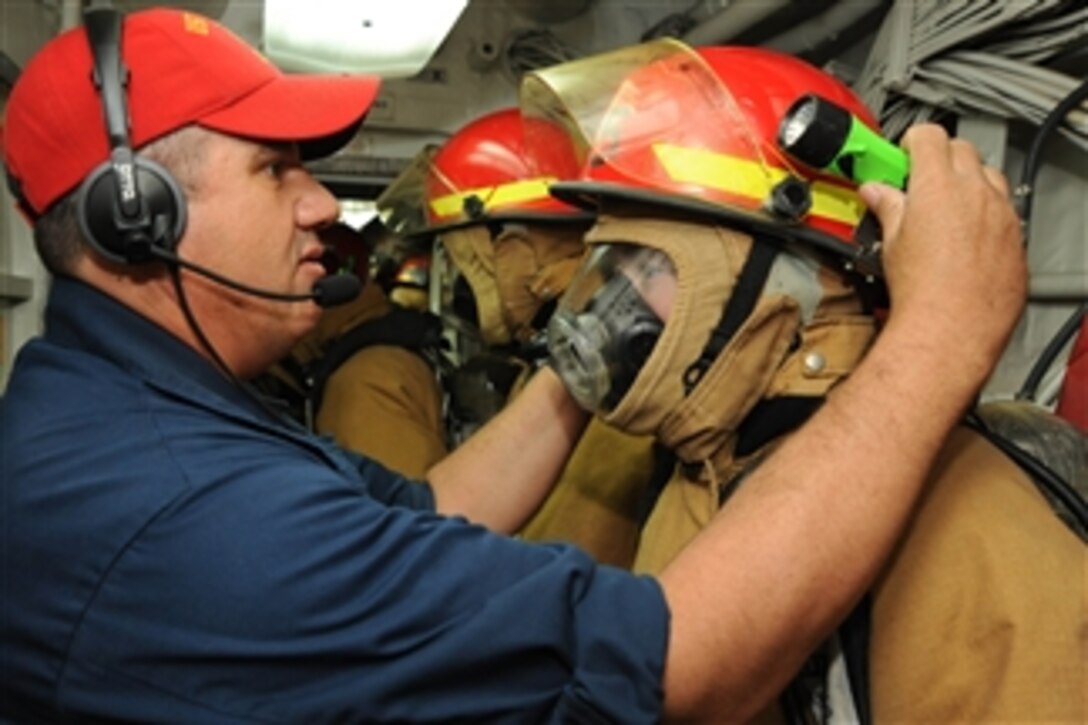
(749, 288)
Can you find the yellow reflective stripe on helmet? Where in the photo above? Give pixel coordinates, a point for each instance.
(453, 205)
(751, 179)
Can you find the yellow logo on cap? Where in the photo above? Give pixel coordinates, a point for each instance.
(195, 23)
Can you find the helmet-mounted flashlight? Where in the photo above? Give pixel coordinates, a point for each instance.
(826, 136)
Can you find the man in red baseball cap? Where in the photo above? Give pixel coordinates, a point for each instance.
(76, 114)
(172, 550)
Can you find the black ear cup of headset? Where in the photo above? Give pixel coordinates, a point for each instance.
(157, 226)
(131, 210)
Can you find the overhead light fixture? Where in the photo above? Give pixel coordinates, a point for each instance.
(390, 39)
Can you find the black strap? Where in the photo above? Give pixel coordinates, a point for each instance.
(403, 327)
(750, 282)
(806, 700)
(1056, 490)
(854, 640)
(103, 28)
(664, 464)
(771, 418)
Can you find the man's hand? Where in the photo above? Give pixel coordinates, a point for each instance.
(953, 256)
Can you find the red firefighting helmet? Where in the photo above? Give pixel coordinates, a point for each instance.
(482, 173)
(696, 130)
(414, 271)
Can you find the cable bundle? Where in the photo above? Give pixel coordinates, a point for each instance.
(984, 56)
(532, 49)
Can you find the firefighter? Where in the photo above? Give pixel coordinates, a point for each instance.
(365, 374)
(728, 288)
(506, 251)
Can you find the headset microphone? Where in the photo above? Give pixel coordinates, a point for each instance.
(328, 291)
(336, 289)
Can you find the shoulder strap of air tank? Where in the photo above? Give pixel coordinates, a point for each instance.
(753, 276)
(411, 329)
(1063, 498)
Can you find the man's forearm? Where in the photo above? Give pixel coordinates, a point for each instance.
(500, 475)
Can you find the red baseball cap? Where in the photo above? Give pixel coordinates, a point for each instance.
(184, 69)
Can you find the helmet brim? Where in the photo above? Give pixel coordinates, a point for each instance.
(585, 216)
(589, 194)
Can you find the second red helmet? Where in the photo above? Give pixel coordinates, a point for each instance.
(483, 172)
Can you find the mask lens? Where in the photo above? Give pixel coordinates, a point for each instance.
(608, 322)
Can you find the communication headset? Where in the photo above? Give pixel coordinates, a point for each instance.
(131, 210)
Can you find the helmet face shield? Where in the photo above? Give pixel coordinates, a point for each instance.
(609, 320)
(453, 299)
(402, 206)
(657, 116)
